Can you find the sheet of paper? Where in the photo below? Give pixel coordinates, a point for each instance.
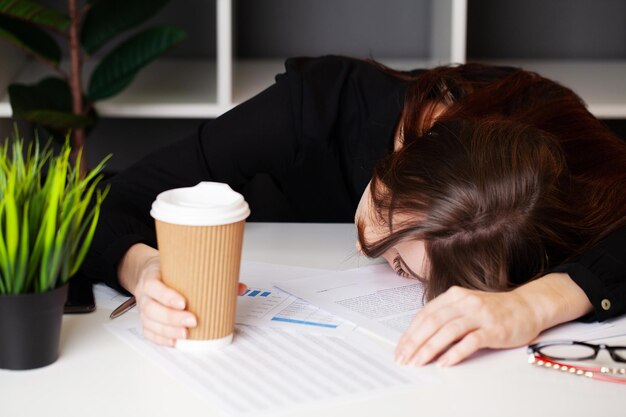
(275, 308)
(108, 298)
(374, 297)
(266, 370)
(586, 331)
(378, 300)
(266, 306)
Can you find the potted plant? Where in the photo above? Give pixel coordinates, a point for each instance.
(48, 215)
(60, 103)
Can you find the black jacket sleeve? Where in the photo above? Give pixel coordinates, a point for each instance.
(316, 133)
(601, 274)
(255, 137)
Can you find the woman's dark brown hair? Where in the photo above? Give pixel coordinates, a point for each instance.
(516, 176)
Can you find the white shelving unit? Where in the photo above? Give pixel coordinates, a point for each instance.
(195, 88)
(12, 64)
(203, 88)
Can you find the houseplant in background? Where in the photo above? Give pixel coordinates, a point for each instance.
(59, 103)
(48, 215)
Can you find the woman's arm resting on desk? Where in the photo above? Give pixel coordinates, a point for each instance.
(468, 320)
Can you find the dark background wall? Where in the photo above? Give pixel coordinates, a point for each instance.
(557, 29)
(282, 28)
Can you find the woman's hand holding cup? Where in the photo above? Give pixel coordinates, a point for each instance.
(161, 309)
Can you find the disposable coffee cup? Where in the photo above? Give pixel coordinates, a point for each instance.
(200, 234)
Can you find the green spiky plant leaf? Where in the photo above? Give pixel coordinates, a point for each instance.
(46, 225)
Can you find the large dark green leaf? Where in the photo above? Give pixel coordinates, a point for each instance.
(48, 103)
(107, 19)
(56, 120)
(119, 67)
(31, 38)
(51, 93)
(35, 13)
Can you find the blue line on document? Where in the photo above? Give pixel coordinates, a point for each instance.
(254, 293)
(310, 323)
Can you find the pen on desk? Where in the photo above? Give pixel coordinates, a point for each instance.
(123, 308)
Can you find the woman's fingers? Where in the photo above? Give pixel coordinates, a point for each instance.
(427, 322)
(153, 310)
(463, 349)
(162, 309)
(461, 321)
(446, 335)
(157, 290)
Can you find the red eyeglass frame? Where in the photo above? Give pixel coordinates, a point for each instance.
(602, 373)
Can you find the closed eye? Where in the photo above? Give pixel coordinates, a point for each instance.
(403, 269)
(397, 266)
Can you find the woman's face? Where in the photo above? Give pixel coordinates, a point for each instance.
(408, 258)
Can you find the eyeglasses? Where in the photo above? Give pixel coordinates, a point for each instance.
(550, 354)
(570, 350)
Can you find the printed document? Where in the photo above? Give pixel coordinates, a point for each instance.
(266, 370)
(374, 297)
(266, 306)
(271, 307)
(379, 301)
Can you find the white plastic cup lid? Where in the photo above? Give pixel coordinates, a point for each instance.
(206, 204)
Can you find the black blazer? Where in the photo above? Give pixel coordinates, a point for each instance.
(302, 150)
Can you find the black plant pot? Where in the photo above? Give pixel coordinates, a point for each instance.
(30, 328)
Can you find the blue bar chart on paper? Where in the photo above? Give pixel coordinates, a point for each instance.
(254, 293)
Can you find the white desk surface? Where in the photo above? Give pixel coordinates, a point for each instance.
(99, 375)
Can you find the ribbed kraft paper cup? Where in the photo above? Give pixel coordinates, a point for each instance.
(202, 263)
(200, 236)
